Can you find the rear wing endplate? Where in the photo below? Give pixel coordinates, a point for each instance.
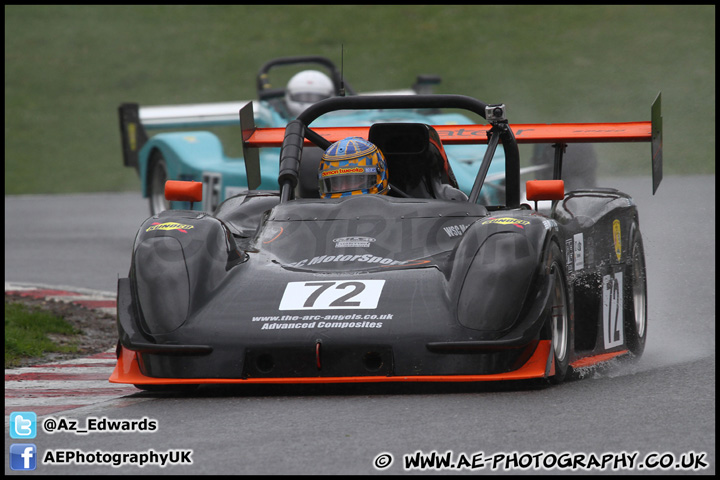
(656, 138)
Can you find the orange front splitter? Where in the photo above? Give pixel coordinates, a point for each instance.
(540, 365)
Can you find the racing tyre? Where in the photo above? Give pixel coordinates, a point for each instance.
(157, 176)
(635, 314)
(560, 317)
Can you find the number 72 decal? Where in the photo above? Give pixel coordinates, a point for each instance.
(332, 295)
(613, 310)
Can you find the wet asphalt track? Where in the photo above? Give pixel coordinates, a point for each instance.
(663, 405)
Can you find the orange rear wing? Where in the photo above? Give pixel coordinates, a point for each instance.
(477, 134)
(561, 133)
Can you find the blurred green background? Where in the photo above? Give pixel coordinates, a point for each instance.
(67, 68)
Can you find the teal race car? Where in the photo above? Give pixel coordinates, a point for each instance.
(187, 147)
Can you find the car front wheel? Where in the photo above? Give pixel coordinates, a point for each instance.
(560, 317)
(635, 314)
(157, 176)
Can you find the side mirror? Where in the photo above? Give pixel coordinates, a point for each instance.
(538, 190)
(179, 191)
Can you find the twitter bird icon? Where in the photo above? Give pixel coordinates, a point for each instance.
(23, 425)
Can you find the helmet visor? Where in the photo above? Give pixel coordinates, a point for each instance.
(336, 181)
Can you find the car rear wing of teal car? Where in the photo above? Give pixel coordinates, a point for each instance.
(135, 121)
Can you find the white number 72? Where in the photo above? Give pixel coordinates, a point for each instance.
(613, 309)
(329, 295)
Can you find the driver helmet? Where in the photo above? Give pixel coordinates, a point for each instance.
(352, 166)
(306, 88)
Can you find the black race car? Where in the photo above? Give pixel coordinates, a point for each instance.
(286, 287)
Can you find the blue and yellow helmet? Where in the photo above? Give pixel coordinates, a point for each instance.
(352, 166)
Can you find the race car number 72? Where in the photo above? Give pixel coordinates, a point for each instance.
(330, 295)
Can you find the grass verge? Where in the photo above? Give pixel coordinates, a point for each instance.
(32, 332)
